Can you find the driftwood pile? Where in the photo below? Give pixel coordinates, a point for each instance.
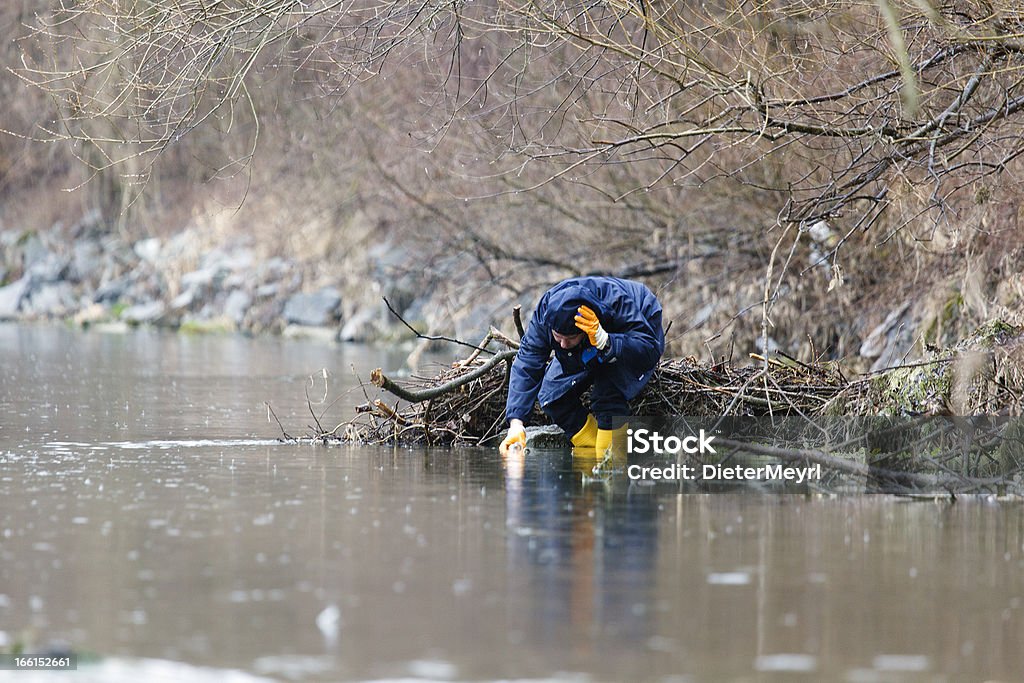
(897, 427)
(465, 404)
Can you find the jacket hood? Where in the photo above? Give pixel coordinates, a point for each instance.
(563, 305)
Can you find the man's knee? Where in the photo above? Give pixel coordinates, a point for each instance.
(608, 402)
(567, 412)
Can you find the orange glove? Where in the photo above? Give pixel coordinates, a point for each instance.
(516, 437)
(587, 321)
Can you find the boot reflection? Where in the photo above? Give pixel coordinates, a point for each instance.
(607, 457)
(589, 463)
(612, 439)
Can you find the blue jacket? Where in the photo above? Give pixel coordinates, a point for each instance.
(628, 312)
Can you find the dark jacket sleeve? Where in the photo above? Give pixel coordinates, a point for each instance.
(633, 322)
(634, 345)
(528, 368)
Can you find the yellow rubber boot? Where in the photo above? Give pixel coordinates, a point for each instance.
(587, 436)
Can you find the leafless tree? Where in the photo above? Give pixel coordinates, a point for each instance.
(865, 91)
(634, 118)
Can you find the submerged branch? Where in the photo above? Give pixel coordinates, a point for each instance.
(832, 462)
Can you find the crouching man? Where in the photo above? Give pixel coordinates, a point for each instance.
(606, 336)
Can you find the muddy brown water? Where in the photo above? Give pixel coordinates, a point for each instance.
(148, 517)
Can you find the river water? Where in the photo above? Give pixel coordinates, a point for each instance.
(149, 519)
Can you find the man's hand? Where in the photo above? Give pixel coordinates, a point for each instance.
(516, 437)
(587, 321)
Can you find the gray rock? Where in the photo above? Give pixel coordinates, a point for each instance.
(475, 322)
(205, 313)
(114, 290)
(266, 291)
(220, 270)
(881, 338)
(90, 224)
(900, 349)
(416, 311)
(313, 310)
(236, 281)
(386, 256)
(147, 287)
(179, 246)
(208, 278)
(359, 327)
(274, 268)
(265, 316)
(822, 232)
(9, 238)
(546, 437)
(388, 264)
(50, 300)
(232, 260)
(112, 244)
(183, 300)
(86, 261)
(11, 297)
(237, 305)
(149, 312)
(148, 250)
(33, 250)
(48, 267)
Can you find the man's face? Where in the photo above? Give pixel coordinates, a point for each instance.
(568, 341)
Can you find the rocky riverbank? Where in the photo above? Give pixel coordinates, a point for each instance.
(306, 279)
(186, 282)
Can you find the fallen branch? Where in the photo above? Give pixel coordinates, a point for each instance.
(498, 335)
(927, 481)
(389, 412)
(494, 334)
(413, 396)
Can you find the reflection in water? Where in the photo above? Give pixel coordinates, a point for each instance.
(147, 515)
(584, 552)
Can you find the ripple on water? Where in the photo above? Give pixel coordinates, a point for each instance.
(729, 578)
(263, 520)
(163, 444)
(293, 667)
(901, 663)
(786, 662)
(432, 669)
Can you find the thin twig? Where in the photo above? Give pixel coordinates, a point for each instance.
(430, 337)
(517, 318)
(271, 413)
